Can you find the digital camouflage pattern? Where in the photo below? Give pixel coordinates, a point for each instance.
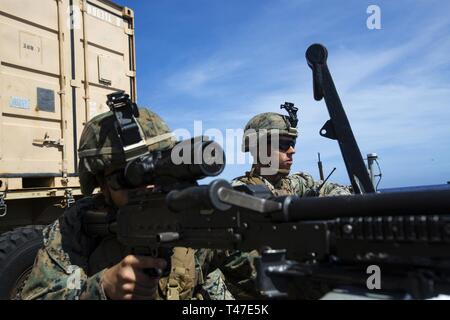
(240, 273)
(215, 286)
(61, 270)
(301, 184)
(100, 146)
(262, 125)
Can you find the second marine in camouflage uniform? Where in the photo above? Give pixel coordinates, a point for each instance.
(258, 129)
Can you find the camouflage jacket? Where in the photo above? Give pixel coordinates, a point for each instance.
(241, 280)
(63, 270)
(300, 183)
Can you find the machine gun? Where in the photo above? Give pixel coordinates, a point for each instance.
(331, 239)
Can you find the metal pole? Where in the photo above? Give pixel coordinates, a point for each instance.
(371, 158)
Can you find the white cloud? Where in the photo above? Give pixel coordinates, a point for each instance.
(198, 79)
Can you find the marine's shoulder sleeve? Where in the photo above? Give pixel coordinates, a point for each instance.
(239, 181)
(253, 180)
(247, 180)
(60, 268)
(301, 183)
(304, 185)
(334, 189)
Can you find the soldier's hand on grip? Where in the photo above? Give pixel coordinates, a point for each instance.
(128, 281)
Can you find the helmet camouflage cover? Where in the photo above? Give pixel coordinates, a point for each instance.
(101, 149)
(264, 124)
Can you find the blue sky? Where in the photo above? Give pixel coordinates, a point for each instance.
(222, 62)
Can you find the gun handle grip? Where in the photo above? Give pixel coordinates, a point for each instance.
(154, 272)
(157, 272)
(162, 253)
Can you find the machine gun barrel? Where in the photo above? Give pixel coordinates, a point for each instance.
(374, 204)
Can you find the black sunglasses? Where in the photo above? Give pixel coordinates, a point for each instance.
(284, 145)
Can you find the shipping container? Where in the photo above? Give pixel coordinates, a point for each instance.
(58, 61)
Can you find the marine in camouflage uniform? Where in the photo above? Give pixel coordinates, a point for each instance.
(72, 263)
(280, 184)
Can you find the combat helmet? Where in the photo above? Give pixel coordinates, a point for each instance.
(101, 149)
(264, 124)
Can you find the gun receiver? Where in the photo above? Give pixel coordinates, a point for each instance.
(327, 239)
